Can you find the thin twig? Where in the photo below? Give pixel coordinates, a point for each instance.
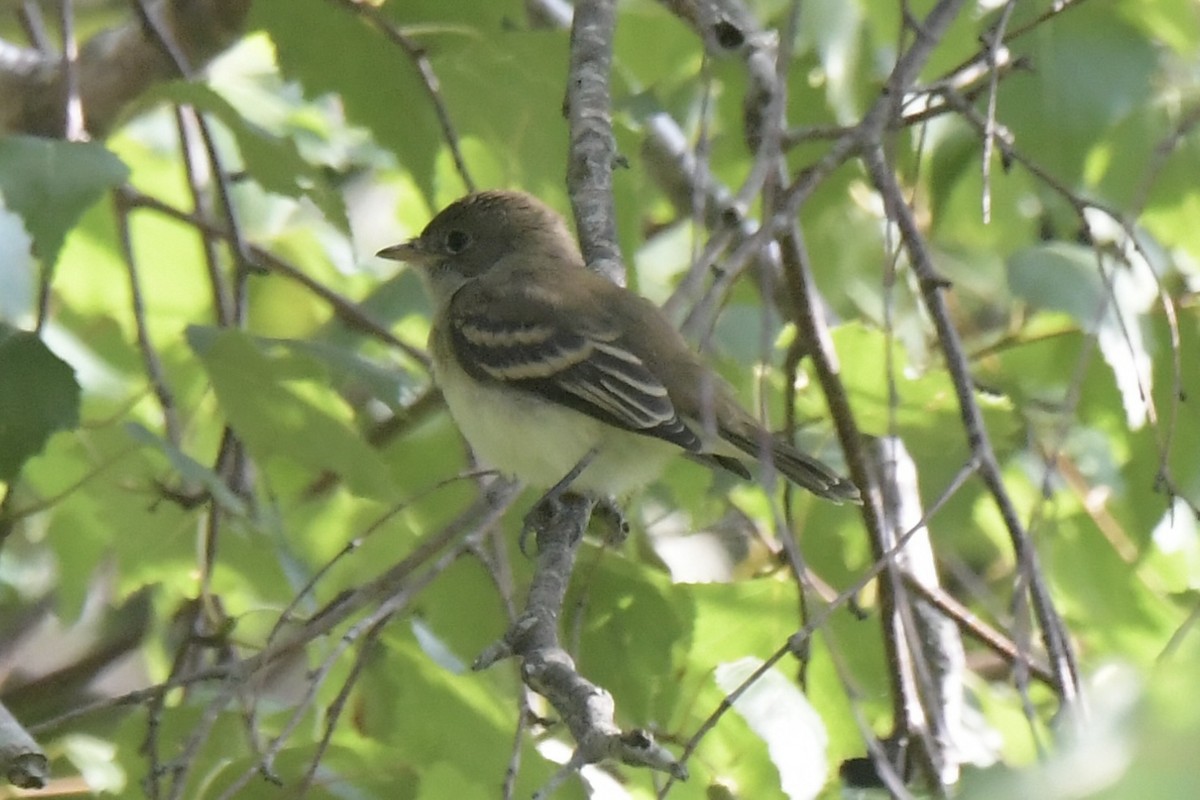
(480, 515)
(813, 328)
(982, 632)
(333, 711)
(1132, 246)
(187, 119)
(991, 47)
(34, 26)
(1056, 8)
(345, 309)
(237, 241)
(429, 80)
(150, 359)
(797, 641)
(932, 288)
(367, 627)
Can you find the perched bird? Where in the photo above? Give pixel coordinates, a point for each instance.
(555, 374)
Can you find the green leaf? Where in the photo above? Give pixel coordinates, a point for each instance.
(1092, 69)
(386, 383)
(273, 161)
(517, 122)
(465, 585)
(927, 416)
(833, 29)
(636, 636)
(38, 396)
(1093, 582)
(51, 183)
(260, 394)
(441, 780)
(1068, 277)
(753, 618)
(330, 49)
(420, 710)
(1063, 277)
(17, 268)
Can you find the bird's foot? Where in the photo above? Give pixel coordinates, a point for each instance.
(547, 506)
(543, 512)
(610, 515)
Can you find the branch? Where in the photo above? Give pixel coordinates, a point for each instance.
(548, 669)
(21, 760)
(114, 67)
(593, 148)
(813, 328)
(286, 641)
(799, 641)
(151, 360)
(932, 286)
(723, 25)
(931, 647)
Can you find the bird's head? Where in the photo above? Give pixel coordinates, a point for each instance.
(478, 232)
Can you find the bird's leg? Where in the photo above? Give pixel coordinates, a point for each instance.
(544, 507)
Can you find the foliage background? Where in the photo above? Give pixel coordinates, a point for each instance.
(210, 436)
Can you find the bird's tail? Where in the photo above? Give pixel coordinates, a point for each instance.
(800, 468)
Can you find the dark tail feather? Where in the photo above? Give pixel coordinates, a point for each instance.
(801, 469)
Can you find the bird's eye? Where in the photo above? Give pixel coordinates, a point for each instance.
(457, 241)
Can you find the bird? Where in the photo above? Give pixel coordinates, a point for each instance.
(565, 380)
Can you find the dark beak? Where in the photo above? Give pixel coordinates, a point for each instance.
(412, 251)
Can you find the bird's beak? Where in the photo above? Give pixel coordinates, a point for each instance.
(412, 251)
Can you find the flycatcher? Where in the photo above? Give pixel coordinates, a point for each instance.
(549, 368)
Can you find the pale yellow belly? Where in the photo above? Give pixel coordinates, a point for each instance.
(540, 442)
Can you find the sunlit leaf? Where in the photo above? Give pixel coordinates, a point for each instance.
(189, 469)
(51, 183)
(271, 160)
(379, 85)
(1105, 298)
(782, 717)
(276, 420)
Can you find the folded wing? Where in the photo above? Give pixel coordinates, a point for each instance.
(532, 348)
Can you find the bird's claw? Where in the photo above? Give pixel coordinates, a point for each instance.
(542, 512)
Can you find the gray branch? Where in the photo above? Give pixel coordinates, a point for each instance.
(114, 67)
(932, 653)
(593, 148)
(723, 25)
(932, 286)
(21, 760)
(586, 709)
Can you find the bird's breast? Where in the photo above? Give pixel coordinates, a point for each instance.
(538, 441)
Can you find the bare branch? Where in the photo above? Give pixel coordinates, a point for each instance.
(932, 287)
(150, 358)
(21, 759)
(593, 148)
(114, 67)
(587, 709)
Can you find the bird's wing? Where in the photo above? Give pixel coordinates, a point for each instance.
(525, 341)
